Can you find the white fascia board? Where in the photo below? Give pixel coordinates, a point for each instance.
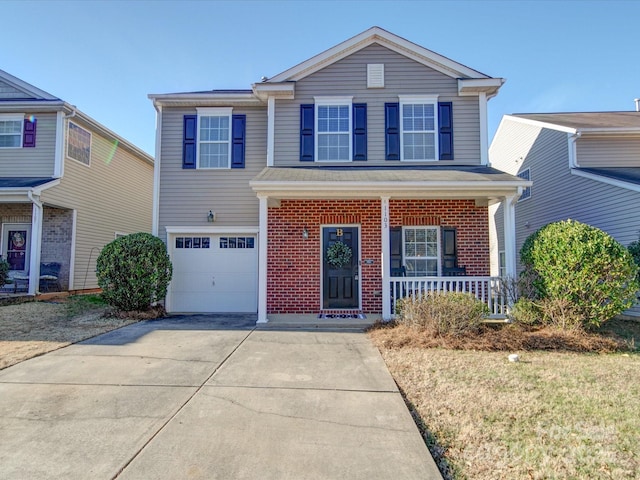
(473, 86)
(386, 39)
(609, 181)
(265, 90)
(211, 230)
(204, 99)
(9, 106)
(611, 131)
(536, 123)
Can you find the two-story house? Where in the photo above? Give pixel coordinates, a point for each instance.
(583, 165)
(377, 144)
(68, 186)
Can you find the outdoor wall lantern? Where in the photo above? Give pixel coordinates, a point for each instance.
(305, 233)
(211, 217)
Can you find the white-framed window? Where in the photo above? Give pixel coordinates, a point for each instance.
(214, 137)
(418, 127)
(525, 175)
(421, 251)
(79, 144)
(333, 129)
(502, 264)
(11, 131)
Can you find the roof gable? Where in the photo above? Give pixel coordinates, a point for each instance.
(377, 35)
(585, 122)
(12, 88)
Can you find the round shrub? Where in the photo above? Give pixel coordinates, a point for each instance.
(634, 250)
(574, 262)
(444, 313)
(134, 271)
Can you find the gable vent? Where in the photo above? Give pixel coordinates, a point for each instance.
(375, 75)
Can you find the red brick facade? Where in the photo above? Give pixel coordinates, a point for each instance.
(294, 263)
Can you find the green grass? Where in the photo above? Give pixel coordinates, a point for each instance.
(553, 415)
(81, 304)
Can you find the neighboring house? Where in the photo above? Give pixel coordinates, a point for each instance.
(68, 186)
(377, 142)
(584, 166)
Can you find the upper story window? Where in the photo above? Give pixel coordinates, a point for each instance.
(214, 137)
(418, 126)
(333, 129)
(79, 144)
(11, 131)
(525, 175)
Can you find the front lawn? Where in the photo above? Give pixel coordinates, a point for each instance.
(553, 414)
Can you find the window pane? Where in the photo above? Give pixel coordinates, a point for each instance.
(214, 155)
(9, 140)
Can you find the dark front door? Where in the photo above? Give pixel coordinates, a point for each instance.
(340, 282)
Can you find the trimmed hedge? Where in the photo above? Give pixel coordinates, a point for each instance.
(572, 262)
(134, 272)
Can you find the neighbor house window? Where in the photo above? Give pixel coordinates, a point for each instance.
(11, 131)
(79, 144)
(420, 251)
(418, 124)
(333, 129)
(525, 175)
(214, 137)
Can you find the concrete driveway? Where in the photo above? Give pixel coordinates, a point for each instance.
(205, 397)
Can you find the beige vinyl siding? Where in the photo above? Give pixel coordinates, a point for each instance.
(113, 194)
(187, 195)
(348, 77)
(38, 161)
(606, 152)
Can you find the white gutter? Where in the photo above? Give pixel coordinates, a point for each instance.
(362, 186)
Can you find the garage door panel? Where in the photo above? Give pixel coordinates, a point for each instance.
(214, 279)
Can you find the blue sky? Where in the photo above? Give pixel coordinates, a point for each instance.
(105, 57)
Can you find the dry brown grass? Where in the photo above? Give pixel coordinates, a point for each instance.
(555, 414)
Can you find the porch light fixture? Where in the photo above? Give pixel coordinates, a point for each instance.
(305, 233)
(211, 217)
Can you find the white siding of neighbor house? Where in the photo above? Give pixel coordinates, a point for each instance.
(187, 195)
(37, 161)
(608, 151)
(403, 76)
(113, 194)
(556, 193)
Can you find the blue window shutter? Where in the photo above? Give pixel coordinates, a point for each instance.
(360, 131)
(306, 132)
(190, 126)
(392, 131)
(29, 133)
(445, 130)
(238, 128)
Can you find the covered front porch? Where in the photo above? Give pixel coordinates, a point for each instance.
(411, 231)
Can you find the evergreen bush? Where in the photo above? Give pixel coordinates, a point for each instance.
(582, 265)
(134, 272)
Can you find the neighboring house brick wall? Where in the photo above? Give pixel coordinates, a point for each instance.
(57, 231)
(15, 213)
(294, 270)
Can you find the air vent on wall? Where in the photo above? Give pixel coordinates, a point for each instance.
(375, 75)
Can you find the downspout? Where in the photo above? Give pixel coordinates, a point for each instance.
(36, 242)
(573, 156)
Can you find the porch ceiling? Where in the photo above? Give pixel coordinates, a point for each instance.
(397, 182)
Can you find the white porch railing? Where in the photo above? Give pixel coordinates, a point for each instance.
(487, 289)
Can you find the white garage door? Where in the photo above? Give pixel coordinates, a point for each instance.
(214, 273)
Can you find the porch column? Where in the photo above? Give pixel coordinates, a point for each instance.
(262, 260)
(509, 208)
(384, 258)
(36, 245)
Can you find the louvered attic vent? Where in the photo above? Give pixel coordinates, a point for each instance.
(375, 75)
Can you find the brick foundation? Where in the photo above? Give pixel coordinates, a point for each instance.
(294, 263)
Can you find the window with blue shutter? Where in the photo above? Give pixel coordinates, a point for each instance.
(360, 131)
(445, 130)
(238, 128)
(392, 131)
(306, 132)
(190, 125)
(29, 133)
